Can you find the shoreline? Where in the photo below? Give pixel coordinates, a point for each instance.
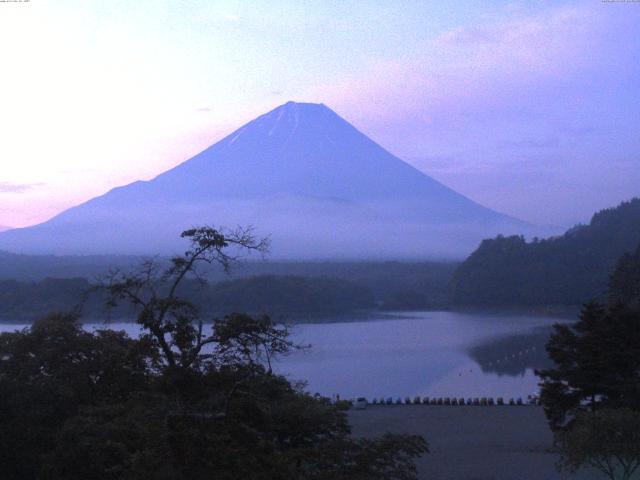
(559, 311)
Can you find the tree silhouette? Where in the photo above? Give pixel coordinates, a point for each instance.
(172, 321)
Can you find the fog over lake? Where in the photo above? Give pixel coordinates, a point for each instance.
(413, 353)
(423, 353)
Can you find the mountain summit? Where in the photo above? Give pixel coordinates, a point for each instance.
(299, 173)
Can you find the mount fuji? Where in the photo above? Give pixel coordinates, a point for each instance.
(301, 174)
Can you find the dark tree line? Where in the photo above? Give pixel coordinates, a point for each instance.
(26, 301)
(316, 290)
(32, 285)
(279, 295)
(186, 400)
(287, 295)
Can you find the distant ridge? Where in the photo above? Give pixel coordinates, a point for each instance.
(299, 173)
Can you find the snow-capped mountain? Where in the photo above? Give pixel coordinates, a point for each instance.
(301, 174)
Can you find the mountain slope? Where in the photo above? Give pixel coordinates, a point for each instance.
(567, 270)
(299, 173)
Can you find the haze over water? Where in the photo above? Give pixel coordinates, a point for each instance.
(434, 354)
(421, 353)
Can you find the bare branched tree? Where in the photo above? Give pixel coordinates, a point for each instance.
(174, 322)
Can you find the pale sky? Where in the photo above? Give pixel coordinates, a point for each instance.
(531, 108)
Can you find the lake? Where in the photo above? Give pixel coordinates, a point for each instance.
(414, 353)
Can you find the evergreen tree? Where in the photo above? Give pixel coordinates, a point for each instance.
(624, 284)
(597, 364)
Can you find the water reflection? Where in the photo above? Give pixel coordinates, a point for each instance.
(419, 353)
(424, 353)
(513, 354)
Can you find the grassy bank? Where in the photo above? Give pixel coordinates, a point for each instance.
(472, 443)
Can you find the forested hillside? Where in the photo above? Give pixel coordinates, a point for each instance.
(566, 270)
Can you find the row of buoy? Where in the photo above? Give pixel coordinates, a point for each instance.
(452, 401)
(514, 355)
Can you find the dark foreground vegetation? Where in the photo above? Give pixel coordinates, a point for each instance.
(184, 401)
(195, 400)
(566, 270)
(591, 395)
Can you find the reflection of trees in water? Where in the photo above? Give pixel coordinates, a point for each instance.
(513, 354)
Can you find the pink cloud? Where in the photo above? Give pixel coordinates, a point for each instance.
(526, 109)
(470, 68)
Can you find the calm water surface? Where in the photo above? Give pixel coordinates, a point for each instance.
(416, 353)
